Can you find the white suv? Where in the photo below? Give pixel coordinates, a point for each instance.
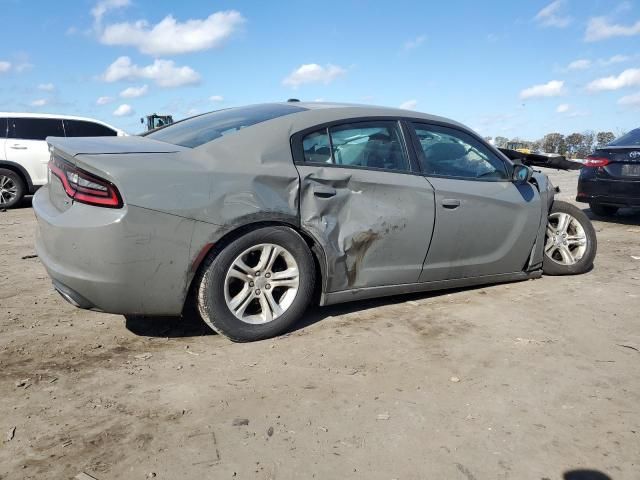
(24, 153)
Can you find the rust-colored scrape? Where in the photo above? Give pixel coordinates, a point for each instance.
(360, 244)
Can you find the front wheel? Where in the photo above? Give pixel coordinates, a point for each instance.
(570, 241)
(258, 286)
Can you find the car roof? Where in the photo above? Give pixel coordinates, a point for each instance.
(346, 110)
(54, 116)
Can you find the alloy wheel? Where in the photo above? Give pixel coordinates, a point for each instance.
(8, 190)
(565, 240)
(261, 283)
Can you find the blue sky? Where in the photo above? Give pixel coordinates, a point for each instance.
(502, 67)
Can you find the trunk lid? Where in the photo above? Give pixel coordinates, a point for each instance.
(73, 146)
(625, 162)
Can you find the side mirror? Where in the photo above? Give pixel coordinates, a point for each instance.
(522, 173)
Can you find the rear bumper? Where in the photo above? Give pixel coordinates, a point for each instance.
(620, 193)
(126, 261)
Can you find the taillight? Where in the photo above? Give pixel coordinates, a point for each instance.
(84, 187)
(595, 162)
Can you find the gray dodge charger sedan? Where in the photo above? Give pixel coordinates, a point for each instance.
(243, 214)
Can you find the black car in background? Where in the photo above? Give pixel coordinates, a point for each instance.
(610, 177)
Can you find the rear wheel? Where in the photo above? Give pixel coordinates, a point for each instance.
(258, 286)
(12, 188)
(603, 210)
(570, 242)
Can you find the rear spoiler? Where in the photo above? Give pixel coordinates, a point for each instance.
(558, 162)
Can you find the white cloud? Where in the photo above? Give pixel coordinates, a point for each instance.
(23, 66)
(5, 66)
(313, 73)
(630, 100)
(41, 102)
(414, 42)
(581, 64)
(47, 87)
(614, 59)
(628, 78)
(600, 28)
(552, 16)
(170, 37)
(563, 108)
(134, 92)
(554, 88)
(123, 110)
(409, 105)
(216, 98)
(163, 72)
(104, 100)
(103, 6)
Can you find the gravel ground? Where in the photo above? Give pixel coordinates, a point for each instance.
(520, 381)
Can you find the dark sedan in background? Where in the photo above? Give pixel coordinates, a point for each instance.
(610, 178)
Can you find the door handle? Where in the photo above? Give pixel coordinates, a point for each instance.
(18, 147)
(451, 203)
(324, 192)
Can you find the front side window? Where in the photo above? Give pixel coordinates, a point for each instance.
(35, 128)
(449, 152)
(81, 128)
(3, 128)
(196, 131)
(375, 144)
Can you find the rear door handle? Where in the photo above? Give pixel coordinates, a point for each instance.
(451, 203)
(324, 192)
(18, 147)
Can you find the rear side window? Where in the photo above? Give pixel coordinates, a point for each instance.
(375, 144)
(196, 131)
(3, 128)
(35, 128)
(80, 128)
(631, 139)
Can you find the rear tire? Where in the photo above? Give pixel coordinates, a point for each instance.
(12, 188)
(603, 210)
(258, 286)
(570, 242)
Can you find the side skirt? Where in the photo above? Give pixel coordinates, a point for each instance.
(385, 291)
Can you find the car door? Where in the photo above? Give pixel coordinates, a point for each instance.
(486, 224)
(26, 144)
(360, 197)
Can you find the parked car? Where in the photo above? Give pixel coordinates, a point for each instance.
(610, 178)
(24, 153)
(242, 213)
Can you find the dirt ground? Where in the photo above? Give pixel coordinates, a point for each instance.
(520, 381)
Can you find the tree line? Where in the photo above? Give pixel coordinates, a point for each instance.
(576, 145)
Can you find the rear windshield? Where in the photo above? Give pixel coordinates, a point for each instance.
(631, 139)
(196, 131)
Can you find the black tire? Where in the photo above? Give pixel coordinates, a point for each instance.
(210, 294)
(585, 263)
(603, 210)
(18, 188)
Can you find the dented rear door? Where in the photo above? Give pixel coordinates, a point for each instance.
(360, 198)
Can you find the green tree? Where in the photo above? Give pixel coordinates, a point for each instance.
(573, 143)
(605, 137)
(501, 142)
(554, 143)
(588, 140)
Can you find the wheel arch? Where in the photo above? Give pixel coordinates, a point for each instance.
(317, 251)
(20, 170)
